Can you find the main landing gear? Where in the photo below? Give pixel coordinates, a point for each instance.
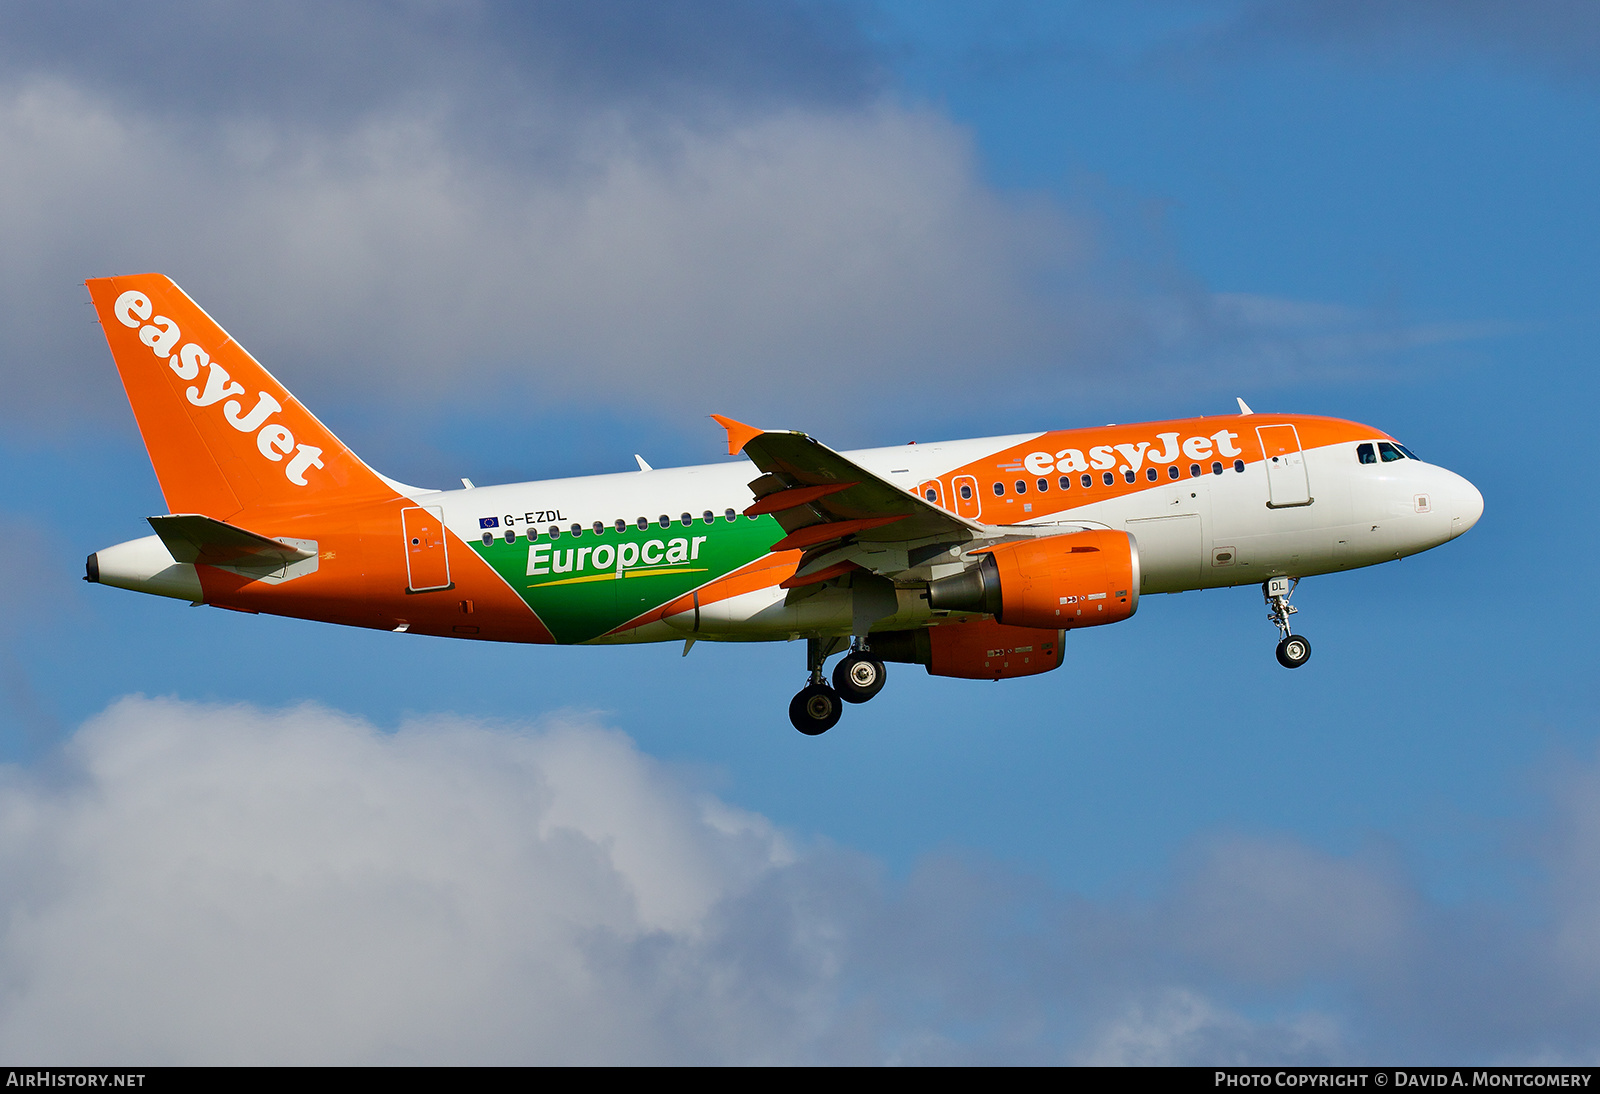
(856, 678)
(1293, 650)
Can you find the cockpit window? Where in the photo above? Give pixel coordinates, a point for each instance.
(1410, 455)
(1389, 452)
(1366, 454)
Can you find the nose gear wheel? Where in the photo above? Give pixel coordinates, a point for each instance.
(1293, 652)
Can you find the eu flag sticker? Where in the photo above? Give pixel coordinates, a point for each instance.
(488, 522)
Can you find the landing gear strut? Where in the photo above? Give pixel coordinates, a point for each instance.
(856, 678)
(1293, 650)
(816, 708)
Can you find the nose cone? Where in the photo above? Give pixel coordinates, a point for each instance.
(1466, 505)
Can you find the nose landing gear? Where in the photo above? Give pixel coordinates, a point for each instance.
(1293, 650)
(856, 678)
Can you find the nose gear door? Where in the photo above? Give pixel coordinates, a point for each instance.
(1287, 484)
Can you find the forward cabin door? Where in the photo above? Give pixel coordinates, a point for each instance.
(427, 560)
(1287, 484)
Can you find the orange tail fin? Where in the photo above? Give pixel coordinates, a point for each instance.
(224, 436)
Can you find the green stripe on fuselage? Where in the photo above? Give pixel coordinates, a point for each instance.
(579, 600)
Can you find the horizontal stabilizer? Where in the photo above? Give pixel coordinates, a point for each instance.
(190, 537)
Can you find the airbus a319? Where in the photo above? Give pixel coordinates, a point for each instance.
(973, 558)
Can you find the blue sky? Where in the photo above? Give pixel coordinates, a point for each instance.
(509, 243)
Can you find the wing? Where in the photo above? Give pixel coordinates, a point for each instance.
(841, 515)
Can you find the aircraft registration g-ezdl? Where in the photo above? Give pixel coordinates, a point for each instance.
(972, 558)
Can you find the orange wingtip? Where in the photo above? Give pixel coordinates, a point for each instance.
(739, 434)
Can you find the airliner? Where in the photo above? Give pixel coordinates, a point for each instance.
(972, 558)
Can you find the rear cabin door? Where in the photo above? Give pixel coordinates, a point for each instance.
(1287, 484)
(427, 561)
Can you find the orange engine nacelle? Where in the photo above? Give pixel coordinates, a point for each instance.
(1081, 579)
(977, 649)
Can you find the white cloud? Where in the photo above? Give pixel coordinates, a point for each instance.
(1277, 911)
(205, 884)
(222, 884)
(1177, 1027)
(799, 260)
(801, 252)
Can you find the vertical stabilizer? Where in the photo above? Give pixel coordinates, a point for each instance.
(225, 437)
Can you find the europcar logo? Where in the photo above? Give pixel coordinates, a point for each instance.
(657, 556)
(273, 440)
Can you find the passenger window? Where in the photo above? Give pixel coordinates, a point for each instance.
(730, 515)
(1108, 478)
(1194, 471)
(622, 525)
(1216, 468)
(1151, 473)
(1128, 475)
(555, 531)
(664, 520)
(577, 529)
(1389, 452)
(1172, 472)
(642, 523)
(1022, 487)
(1238, 465)
(599, 527)
(488, 538)
(511, 535)
(931, 494)
(1088, 481)
(1043, 484)
(1066, 482)
(966, 492)
(1366, 454)
(709, 517)
(999, 489)
(685, 519)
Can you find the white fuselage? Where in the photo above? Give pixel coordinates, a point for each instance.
(1194, 533)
